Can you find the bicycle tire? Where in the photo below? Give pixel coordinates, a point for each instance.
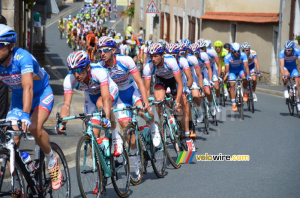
(296, 94)
(241, 109)
(86, 141)
(250, 98)
(159, 171)
(181, 135)
(123, 190)
(45, 180)
(135, 179)
(222, 95)
(7, 185)
(205, 119)
(171, 144)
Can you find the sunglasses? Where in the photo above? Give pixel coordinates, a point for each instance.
(288, 50)
(77, 70)
(196, 53)
(105, 50)
(181, 53)
(235, 51)
(246, 50)
(2, 44)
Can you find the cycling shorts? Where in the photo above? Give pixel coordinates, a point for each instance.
(90, 105)
(293, 71)
(128, 97)
(165, 83)
(205, 76)
(43, 100)
(214, 72)
(233, 75)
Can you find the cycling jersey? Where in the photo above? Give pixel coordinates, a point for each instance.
(203, 61)
(193, 62)
(122, 70)
(23, 62)
(222, 55)
(251, 63)
(166, 71)
(236, 65)
(183, 66)
(290, 61)
(132, 52)
(212, 54)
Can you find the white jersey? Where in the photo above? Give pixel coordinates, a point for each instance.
(98, 77)
(167, 71)
(193, 63)
(203, 61)
(121, 72)
(183, 66)
(212, 55)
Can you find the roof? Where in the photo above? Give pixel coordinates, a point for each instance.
(243, 17)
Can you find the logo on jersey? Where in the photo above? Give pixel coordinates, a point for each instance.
(48, 99)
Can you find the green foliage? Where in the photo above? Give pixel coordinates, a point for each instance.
(29, 4)
(128, 12)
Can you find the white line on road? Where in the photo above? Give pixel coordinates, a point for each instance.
(59, 67)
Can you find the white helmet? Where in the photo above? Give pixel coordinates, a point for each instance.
(78, 59)
(245, 45)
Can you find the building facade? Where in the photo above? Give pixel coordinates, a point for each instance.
(266, 25)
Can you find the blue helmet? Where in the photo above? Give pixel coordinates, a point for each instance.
(235, 47)
(172, 48)
(182, 47)
(106, 41)
(187, 42)
(7, 34)
(289, 45)
(155, 48)
(78, 59)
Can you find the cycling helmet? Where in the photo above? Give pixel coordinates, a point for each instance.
(201, 43)
(187, 42)
(78, 59)
(218, 43)
(179, 41)
(289, 45)
(235, 47)
(106, 41)
(162, 42)
(7, 34)
(172, 48)
(245, 45)
(155, 48)
(208, 43)
(182, 47)
(194, 47)
(226, 45)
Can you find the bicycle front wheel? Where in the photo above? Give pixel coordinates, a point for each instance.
(172, 146)
(89, 177)
(159, 158)
(136, 156)
(121, 173)
(241, 105)
(65, 189)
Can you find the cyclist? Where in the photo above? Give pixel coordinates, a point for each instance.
(288, 58)
(222, 52)
(91, 44)
(99, 91)
(206, 70)
(132, 50)
(61, 25)
(69, 29)
(167, 73)
(227, 47)
(236, 63)
(131, 87)
(216, 69)
(32, 97)
(192, 58)
(253, 65)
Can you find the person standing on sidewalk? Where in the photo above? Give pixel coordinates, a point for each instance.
(37, 27)
(3, 88)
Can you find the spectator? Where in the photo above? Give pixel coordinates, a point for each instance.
(141, 34)
(37, 27)
(3, 88)
(123, 47)
(129, 31)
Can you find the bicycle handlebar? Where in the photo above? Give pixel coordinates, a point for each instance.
(134, 108)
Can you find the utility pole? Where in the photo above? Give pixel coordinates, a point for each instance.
(159, 28)
(279, 42)
(0, 6)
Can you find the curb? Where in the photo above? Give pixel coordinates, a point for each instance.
(270, 92)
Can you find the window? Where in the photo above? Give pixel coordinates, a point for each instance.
(180, 26)
(175, 28)
(233, 32)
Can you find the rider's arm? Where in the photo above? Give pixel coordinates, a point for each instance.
(245, 61)
(27, 84)
(68, 93)
(147, 77)
(199, 76)
(205, 58)
(218, 62)
(187, 72)
(106, 99)
(179, 86)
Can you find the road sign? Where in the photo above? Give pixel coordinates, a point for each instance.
(152, 8)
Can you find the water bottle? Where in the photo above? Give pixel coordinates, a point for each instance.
(28, 162)
(104, 145)
(145, 131)
(172, 121)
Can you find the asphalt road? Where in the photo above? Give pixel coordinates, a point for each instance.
(270, 137)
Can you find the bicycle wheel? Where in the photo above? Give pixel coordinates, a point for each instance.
(5, 179)
(89, 177)
(222, 95)
(172, 146)
(241, 105)
(136, 160)
(205, 119)
(121, 173)
(296, 94)
(65, 189)
(158, 158)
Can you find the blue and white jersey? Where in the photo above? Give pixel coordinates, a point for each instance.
(290, 61)
(23, 62)
(212, 55)
(235, 64)
(183, 66)
(251, 58)
(193, 62)
(203, 61)
(121, 72)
